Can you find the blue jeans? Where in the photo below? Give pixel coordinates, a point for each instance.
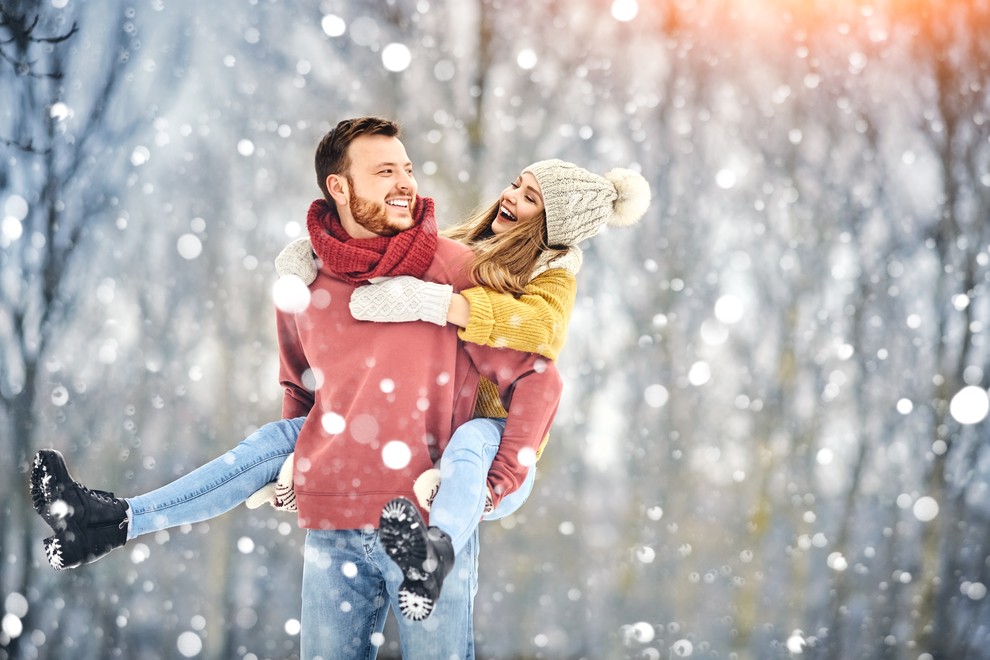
(459, 503)
(349, 584)
(218, 486)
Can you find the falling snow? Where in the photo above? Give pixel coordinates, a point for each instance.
(772, 438)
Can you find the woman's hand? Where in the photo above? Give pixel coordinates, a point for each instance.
(403, 298)
(280, 493)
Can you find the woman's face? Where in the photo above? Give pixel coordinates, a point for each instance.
(519, 204)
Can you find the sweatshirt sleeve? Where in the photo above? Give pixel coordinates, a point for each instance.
(536, 322)
(530, 388)
(297, 400)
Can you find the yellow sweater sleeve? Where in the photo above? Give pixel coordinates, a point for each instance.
(535, 322)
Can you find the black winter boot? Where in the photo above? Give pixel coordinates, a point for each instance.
(425, 555)
(88, 524)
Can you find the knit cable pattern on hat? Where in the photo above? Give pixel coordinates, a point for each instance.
(579, 203)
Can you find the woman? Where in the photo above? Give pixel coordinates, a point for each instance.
(527, 258)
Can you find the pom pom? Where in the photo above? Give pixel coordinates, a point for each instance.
(633, 200)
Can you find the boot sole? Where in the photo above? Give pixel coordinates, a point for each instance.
(47, 469)
(403, 535)
(414, 604)
(53, 552)
(56, 547)
(47, 472)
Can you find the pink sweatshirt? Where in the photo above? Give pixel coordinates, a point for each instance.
(388, 396)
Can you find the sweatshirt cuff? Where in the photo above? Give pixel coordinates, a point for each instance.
(494, 488)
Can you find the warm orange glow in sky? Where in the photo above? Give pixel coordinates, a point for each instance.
(770, 23)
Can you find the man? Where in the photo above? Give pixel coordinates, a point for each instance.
(382, 400)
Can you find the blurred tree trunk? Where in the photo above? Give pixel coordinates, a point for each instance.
(56, 137)
(31, 87)
(477, 120)
(952, 43)
(31, 283)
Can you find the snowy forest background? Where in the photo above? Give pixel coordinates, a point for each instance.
(773, 441)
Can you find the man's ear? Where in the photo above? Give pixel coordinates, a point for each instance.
(337, 187)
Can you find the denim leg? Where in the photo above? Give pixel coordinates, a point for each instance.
(349, 584)
(344, 595)
(511, 502)
(457, 508)
(218, 486)
(449, 631)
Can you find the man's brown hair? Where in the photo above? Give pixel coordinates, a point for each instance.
(331, 154)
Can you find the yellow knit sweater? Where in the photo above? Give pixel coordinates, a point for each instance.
(535, 322)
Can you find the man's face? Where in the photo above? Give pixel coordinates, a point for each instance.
(381, 188)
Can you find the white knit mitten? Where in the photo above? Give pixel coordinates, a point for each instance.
(297, 259)
(279, 493)
(402, 298)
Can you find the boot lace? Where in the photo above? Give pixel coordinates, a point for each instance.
(102, 495)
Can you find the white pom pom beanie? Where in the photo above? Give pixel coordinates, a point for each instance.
(579, 203)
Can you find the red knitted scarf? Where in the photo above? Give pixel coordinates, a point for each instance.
(357, 260)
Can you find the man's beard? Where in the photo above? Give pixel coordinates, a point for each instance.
(371, 215)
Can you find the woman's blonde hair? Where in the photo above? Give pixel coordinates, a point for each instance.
(503, 262)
